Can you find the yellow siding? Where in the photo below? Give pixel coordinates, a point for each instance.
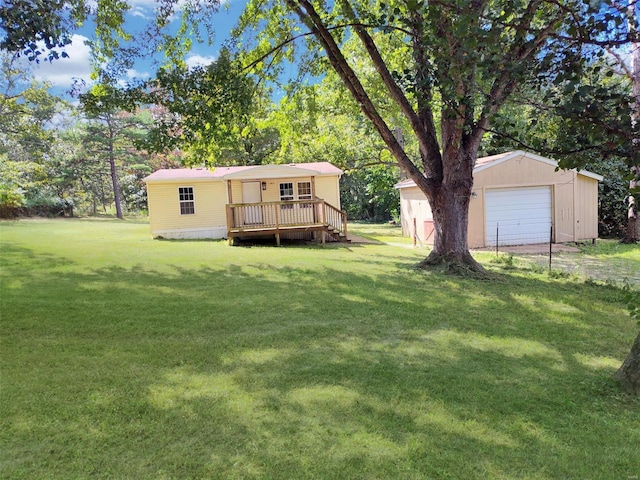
(563, 211)
(236, 191)
(164, 208)
(476, 235)
(414, 204)
(586, 206)
(326, 187)
(521, 172)
(574, 197)
(527, 172)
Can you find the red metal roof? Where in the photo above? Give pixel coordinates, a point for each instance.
(320, 168)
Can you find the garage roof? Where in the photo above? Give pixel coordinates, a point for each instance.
(493, 160)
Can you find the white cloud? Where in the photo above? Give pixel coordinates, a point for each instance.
(133, 74)
(61, 72)
(198, 60)
(139, 12)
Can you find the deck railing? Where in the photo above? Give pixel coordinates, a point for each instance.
(252, 217)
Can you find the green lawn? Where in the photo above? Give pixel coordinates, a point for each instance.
(126, 357)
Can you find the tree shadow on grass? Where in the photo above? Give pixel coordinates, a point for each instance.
(270, 371)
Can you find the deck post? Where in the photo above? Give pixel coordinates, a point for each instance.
(229, 220)
(229, 191)
(277, 216)
(344, 225)
(324, 222)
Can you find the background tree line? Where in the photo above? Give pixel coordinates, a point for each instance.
(89, 159)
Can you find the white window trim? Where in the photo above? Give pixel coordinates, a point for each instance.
(293, 195)
(181, 202)
(306, 196)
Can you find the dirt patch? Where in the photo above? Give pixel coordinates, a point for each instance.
(357, 239)
(597, 268)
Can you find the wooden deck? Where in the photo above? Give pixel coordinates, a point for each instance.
(281, 218)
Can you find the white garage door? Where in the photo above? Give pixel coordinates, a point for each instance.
(518, 216)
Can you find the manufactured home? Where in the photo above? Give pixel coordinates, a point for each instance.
(298, 200)
(518, 198)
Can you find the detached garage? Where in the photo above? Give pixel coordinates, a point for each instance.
(517, 198)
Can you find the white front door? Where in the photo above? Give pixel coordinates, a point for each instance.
(252, 193)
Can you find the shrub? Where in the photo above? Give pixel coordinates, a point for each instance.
(11, 202)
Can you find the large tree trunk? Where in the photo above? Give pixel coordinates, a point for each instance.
(629, 373)
(632, 234)
(450, 208)
(116, 187)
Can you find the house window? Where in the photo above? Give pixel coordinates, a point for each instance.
(286, 194)
(187, 201)
(304, 193)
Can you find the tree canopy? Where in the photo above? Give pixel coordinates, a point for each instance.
(453, 66)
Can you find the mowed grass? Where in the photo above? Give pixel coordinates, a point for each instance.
(131, 358)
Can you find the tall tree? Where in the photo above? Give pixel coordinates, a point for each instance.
(27, 111)
(112, 132)
(463, 60)
(206, 111)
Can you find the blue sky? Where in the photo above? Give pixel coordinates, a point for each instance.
(62, 72)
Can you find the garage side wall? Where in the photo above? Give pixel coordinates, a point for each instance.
(586, 207)
(208, 221)
(564, 209)
(414, 204)
(476, 234)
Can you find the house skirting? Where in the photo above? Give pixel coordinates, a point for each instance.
(191, 233)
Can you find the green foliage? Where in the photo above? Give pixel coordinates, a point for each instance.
(613, 191)
(26, 112)
(10, 201)
(36, 28)
(369, 194)
(632, 298)
(206, 110)
(321, 122)
(508, 261)
(585, 126)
